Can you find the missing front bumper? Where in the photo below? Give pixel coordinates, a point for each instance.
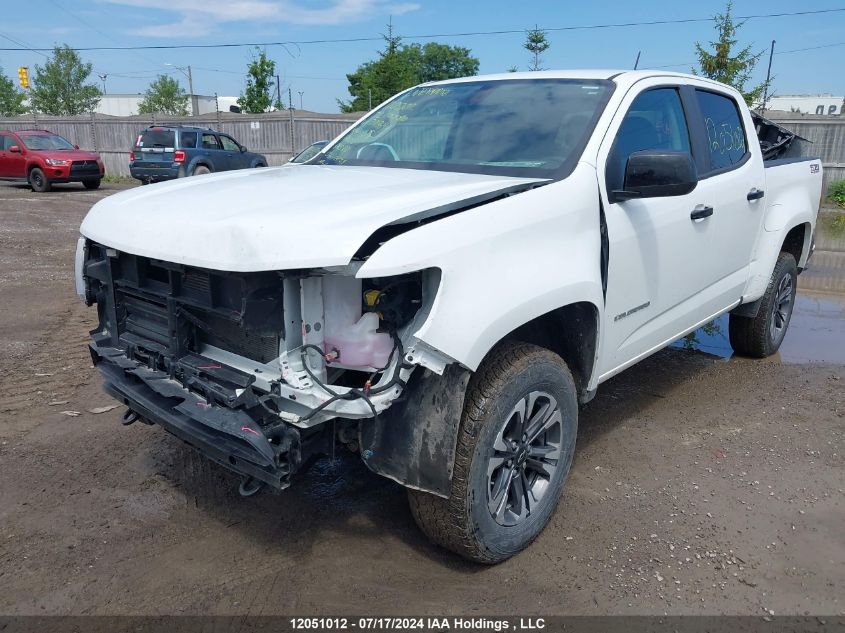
(227, 436)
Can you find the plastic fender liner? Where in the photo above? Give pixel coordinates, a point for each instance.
(414, 441)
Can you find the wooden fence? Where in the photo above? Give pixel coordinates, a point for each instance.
(277, 135)
(827, 135)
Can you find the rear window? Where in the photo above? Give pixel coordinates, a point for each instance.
(725, 134)
(156, 138)
(188, 140)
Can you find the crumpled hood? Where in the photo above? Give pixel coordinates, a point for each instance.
(298, 216)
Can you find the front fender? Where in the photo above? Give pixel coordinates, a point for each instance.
(503, 263)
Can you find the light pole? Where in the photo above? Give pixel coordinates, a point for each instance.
(187, 72)
(103, 79)
(301, 92)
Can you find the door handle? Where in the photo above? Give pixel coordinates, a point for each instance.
(700, 212)
(755, 194)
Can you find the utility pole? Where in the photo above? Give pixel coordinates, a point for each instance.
(278, 92)
(103, 79)
(191, 90)
(370, 97)
(768, 78)
(293, 145)
(301, 92)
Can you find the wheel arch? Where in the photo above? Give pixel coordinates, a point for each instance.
(571, 332)
(797, 242)
(199, 162)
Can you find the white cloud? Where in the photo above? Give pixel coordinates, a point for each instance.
(198, 17)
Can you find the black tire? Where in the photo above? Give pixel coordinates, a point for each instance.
(91, 183)
(762, 335)
(465, 522)
(200, 170)
(38, 181)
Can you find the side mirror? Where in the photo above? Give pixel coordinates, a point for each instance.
(15, 149)
(243, 148)
(76, 147)
(657, 173)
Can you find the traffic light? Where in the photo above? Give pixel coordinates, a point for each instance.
(23, 77)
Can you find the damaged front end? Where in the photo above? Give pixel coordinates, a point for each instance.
(249, 367)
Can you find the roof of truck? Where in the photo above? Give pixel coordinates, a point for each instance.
(605, 73)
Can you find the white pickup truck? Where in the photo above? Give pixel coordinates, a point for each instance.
(441, 286)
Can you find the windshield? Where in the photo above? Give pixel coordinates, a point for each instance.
(530, 127)
(46, 141)
(309, 152)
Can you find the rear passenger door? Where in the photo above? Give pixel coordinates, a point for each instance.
(213, 150)
(734, 179)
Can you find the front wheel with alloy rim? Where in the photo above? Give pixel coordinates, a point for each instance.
(38, 181)
(762, 335)
(515, 446)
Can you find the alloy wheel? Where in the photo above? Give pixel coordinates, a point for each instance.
(526, 453)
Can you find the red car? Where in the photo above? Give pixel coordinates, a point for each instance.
(42, 158)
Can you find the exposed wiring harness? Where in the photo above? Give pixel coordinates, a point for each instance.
(355, 394)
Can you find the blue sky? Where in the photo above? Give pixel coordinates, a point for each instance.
(318, 69)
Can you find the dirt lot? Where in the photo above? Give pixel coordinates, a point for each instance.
(700, 485)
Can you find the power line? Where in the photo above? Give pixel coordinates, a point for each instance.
(794, 50)
(431, 35)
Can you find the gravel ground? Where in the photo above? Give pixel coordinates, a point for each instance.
(701, 485)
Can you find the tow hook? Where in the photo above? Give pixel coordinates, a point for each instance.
(249, 486)
(129, 417)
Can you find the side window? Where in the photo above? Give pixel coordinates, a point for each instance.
(209, 141)
(188, 140)
(229, 144)
(654, 121)
(5, 142)
(725, 134)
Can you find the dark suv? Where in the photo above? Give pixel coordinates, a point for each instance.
(164, 153)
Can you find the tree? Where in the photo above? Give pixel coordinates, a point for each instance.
(436, 62)
(537, 44)
(258, 96)
(734, 70)
(164, 96)
(399, 67)
(59, 86)
(11, 99)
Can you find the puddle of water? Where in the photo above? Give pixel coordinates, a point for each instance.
(816, 333)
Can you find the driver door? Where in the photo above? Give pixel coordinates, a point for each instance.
(235, 157)
(658, 255)
(12, 164)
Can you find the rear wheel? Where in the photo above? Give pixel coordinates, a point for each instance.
(201, 169)
(91, 183)
(515, 447)
(762, 335)
(38, 181)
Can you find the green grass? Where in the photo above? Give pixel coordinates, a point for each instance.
(119, 180)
